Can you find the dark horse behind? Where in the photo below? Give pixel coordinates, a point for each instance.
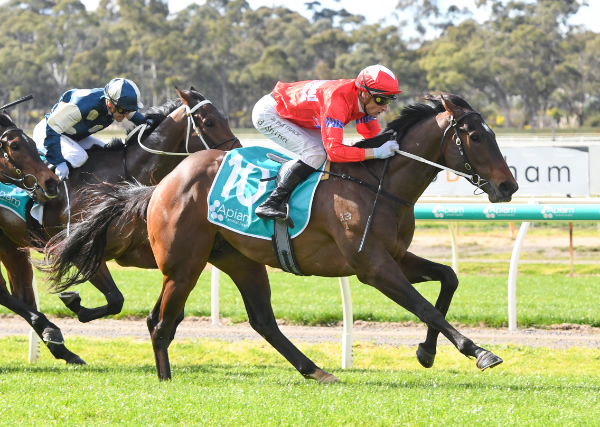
(21, 165)
(448, 134)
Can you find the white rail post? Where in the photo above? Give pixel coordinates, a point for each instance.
(214, 295)
(453, 227)
(513, 271)
(34, 340)
(348, 323)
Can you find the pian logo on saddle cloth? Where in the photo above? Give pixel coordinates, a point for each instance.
(13, 199)
(237, 190)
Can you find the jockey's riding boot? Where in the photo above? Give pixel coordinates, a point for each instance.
(289, 176)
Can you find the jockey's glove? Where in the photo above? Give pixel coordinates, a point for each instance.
(387, 149)
(62, 171)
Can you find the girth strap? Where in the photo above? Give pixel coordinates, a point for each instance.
(282, 245)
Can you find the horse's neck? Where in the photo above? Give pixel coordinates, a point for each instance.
(411, 177)
(169, 137)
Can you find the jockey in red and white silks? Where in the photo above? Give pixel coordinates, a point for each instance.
(308, 118)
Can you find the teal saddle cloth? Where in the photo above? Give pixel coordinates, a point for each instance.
(237, 190)
(14, 199)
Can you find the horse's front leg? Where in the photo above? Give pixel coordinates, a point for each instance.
(419, 270)
(104, 282)
(387, 276)
(49, 333)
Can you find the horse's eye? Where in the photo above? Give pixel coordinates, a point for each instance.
(14, 146)
(208, 123)
(475, 137)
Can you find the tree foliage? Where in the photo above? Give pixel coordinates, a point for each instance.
(522, 63)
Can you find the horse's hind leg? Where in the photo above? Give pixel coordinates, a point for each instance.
(179, 279)
(104, 282)
(419, 270)
(253, 283)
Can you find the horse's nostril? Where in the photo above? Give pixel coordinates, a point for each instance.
(508, 187)
(51, 187)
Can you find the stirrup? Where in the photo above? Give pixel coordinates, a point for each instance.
(288, 219)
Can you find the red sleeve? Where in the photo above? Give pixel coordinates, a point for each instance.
(333, 118)
(332, 132)
(368, 126)
(335, 148)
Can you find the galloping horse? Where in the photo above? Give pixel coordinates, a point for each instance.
(195, 124)
(183, 240)
(21, 165)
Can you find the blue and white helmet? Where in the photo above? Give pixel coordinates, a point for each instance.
(124, 94)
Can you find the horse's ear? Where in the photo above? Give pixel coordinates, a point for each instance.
(182, 96)
(193, 88)
(449, 105)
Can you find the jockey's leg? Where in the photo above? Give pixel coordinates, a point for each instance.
(306, 143)
(72, 151)
(89, 141)
(289, 176)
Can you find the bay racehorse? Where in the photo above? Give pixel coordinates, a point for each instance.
(20, 164)
(448, 134)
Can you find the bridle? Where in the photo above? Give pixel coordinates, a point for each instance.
(474, 178)
(191, 124)
(22, 179)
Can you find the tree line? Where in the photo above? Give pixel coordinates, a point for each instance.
(524, 67)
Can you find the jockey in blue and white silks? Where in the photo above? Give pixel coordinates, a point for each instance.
(65, 133)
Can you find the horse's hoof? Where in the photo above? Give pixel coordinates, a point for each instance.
(323, 377)
(54, 336)
(69, 298)
(424, 357)
(487, 359)
(76, 360)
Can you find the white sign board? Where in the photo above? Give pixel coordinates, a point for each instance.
(539, 171)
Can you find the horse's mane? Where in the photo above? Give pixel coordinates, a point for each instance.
(158, 113)
(165, 109)
(411, 115)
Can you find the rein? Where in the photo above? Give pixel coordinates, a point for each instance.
(474, 178)
(374, 188)
(191, 123)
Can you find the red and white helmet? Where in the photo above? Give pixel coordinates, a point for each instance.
(377, 80)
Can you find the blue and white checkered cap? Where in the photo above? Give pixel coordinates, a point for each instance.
(124, 94)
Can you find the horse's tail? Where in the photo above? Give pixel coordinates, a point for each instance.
(83, 244)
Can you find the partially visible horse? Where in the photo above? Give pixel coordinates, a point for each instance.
(22, 166)
(183, 240)
(193, 123)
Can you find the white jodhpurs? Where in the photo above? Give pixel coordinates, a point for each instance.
(73, 151)
(306, 143)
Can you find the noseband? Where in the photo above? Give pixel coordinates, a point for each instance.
(21, 178)
(475, 179)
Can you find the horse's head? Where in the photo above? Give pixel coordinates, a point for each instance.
(470, 146)
(20, 162)
(209, 124)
